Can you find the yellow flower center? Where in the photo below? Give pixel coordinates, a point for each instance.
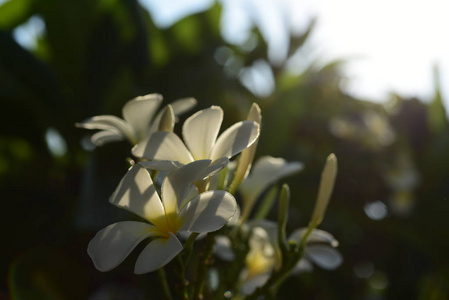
(258, 263)
(166, 224)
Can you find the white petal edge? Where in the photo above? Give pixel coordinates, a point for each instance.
(250, 285)
(111, 245)
(266, 171)
(106, 136)
(167, 121)
(223, 248)
(161, 165)
(247, 156)
(163, 146)
(303, 265)
(324, 256)
(317, 236)
(183, 105)
(136, 193)
(235, 218)
(201, 130)
(157, 254)
(179, 106)
(178, 184)
(208, 212)
(236, 138)
(139, 112)
(110, 123)
(270, 227)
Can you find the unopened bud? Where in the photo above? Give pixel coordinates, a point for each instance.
(167, 122)
(325, 191)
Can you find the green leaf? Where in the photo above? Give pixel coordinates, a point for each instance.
(436, 111)
(266, 203)
(13, 13)
(284, 203)
(187, 34)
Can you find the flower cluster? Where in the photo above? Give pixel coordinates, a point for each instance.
(185, 190)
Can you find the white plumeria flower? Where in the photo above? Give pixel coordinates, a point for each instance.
(264, 255)
(180, 208)
(266, 171)
(138, 120)
(320, 250)
(262, 258)
(200, 131)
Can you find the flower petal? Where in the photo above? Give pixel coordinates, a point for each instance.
(179, 107)
(246, 158)
(178, 184)
(111, 245)
(324, 256)
(303, 265)
(235, 218)
(201, 130)
(136, 193)
(110, 123)
(106, 136)
(270, 227)
(139, 112)
(157, 254)
(235, 139)
(252, 283)
(223, 248)
(215, 167)
(183, 105)
(317, 236)
(266, 171)
(167, 122)
(208, 212)
(161, 165)
(163, 146)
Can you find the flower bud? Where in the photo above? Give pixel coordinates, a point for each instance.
(325, 191)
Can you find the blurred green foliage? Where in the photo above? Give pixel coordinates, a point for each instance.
(391, 199)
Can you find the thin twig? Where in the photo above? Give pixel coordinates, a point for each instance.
(163, 279)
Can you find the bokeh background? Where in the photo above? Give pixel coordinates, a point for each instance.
(62, 61)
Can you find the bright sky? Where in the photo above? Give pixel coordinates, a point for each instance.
(391, 45)
(398, 42)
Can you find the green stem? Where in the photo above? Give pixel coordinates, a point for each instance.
(230, 274)
(204, 262)
(163, 279)
(305, 238)
(188, 246)
(183, 260)
(181, 277)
